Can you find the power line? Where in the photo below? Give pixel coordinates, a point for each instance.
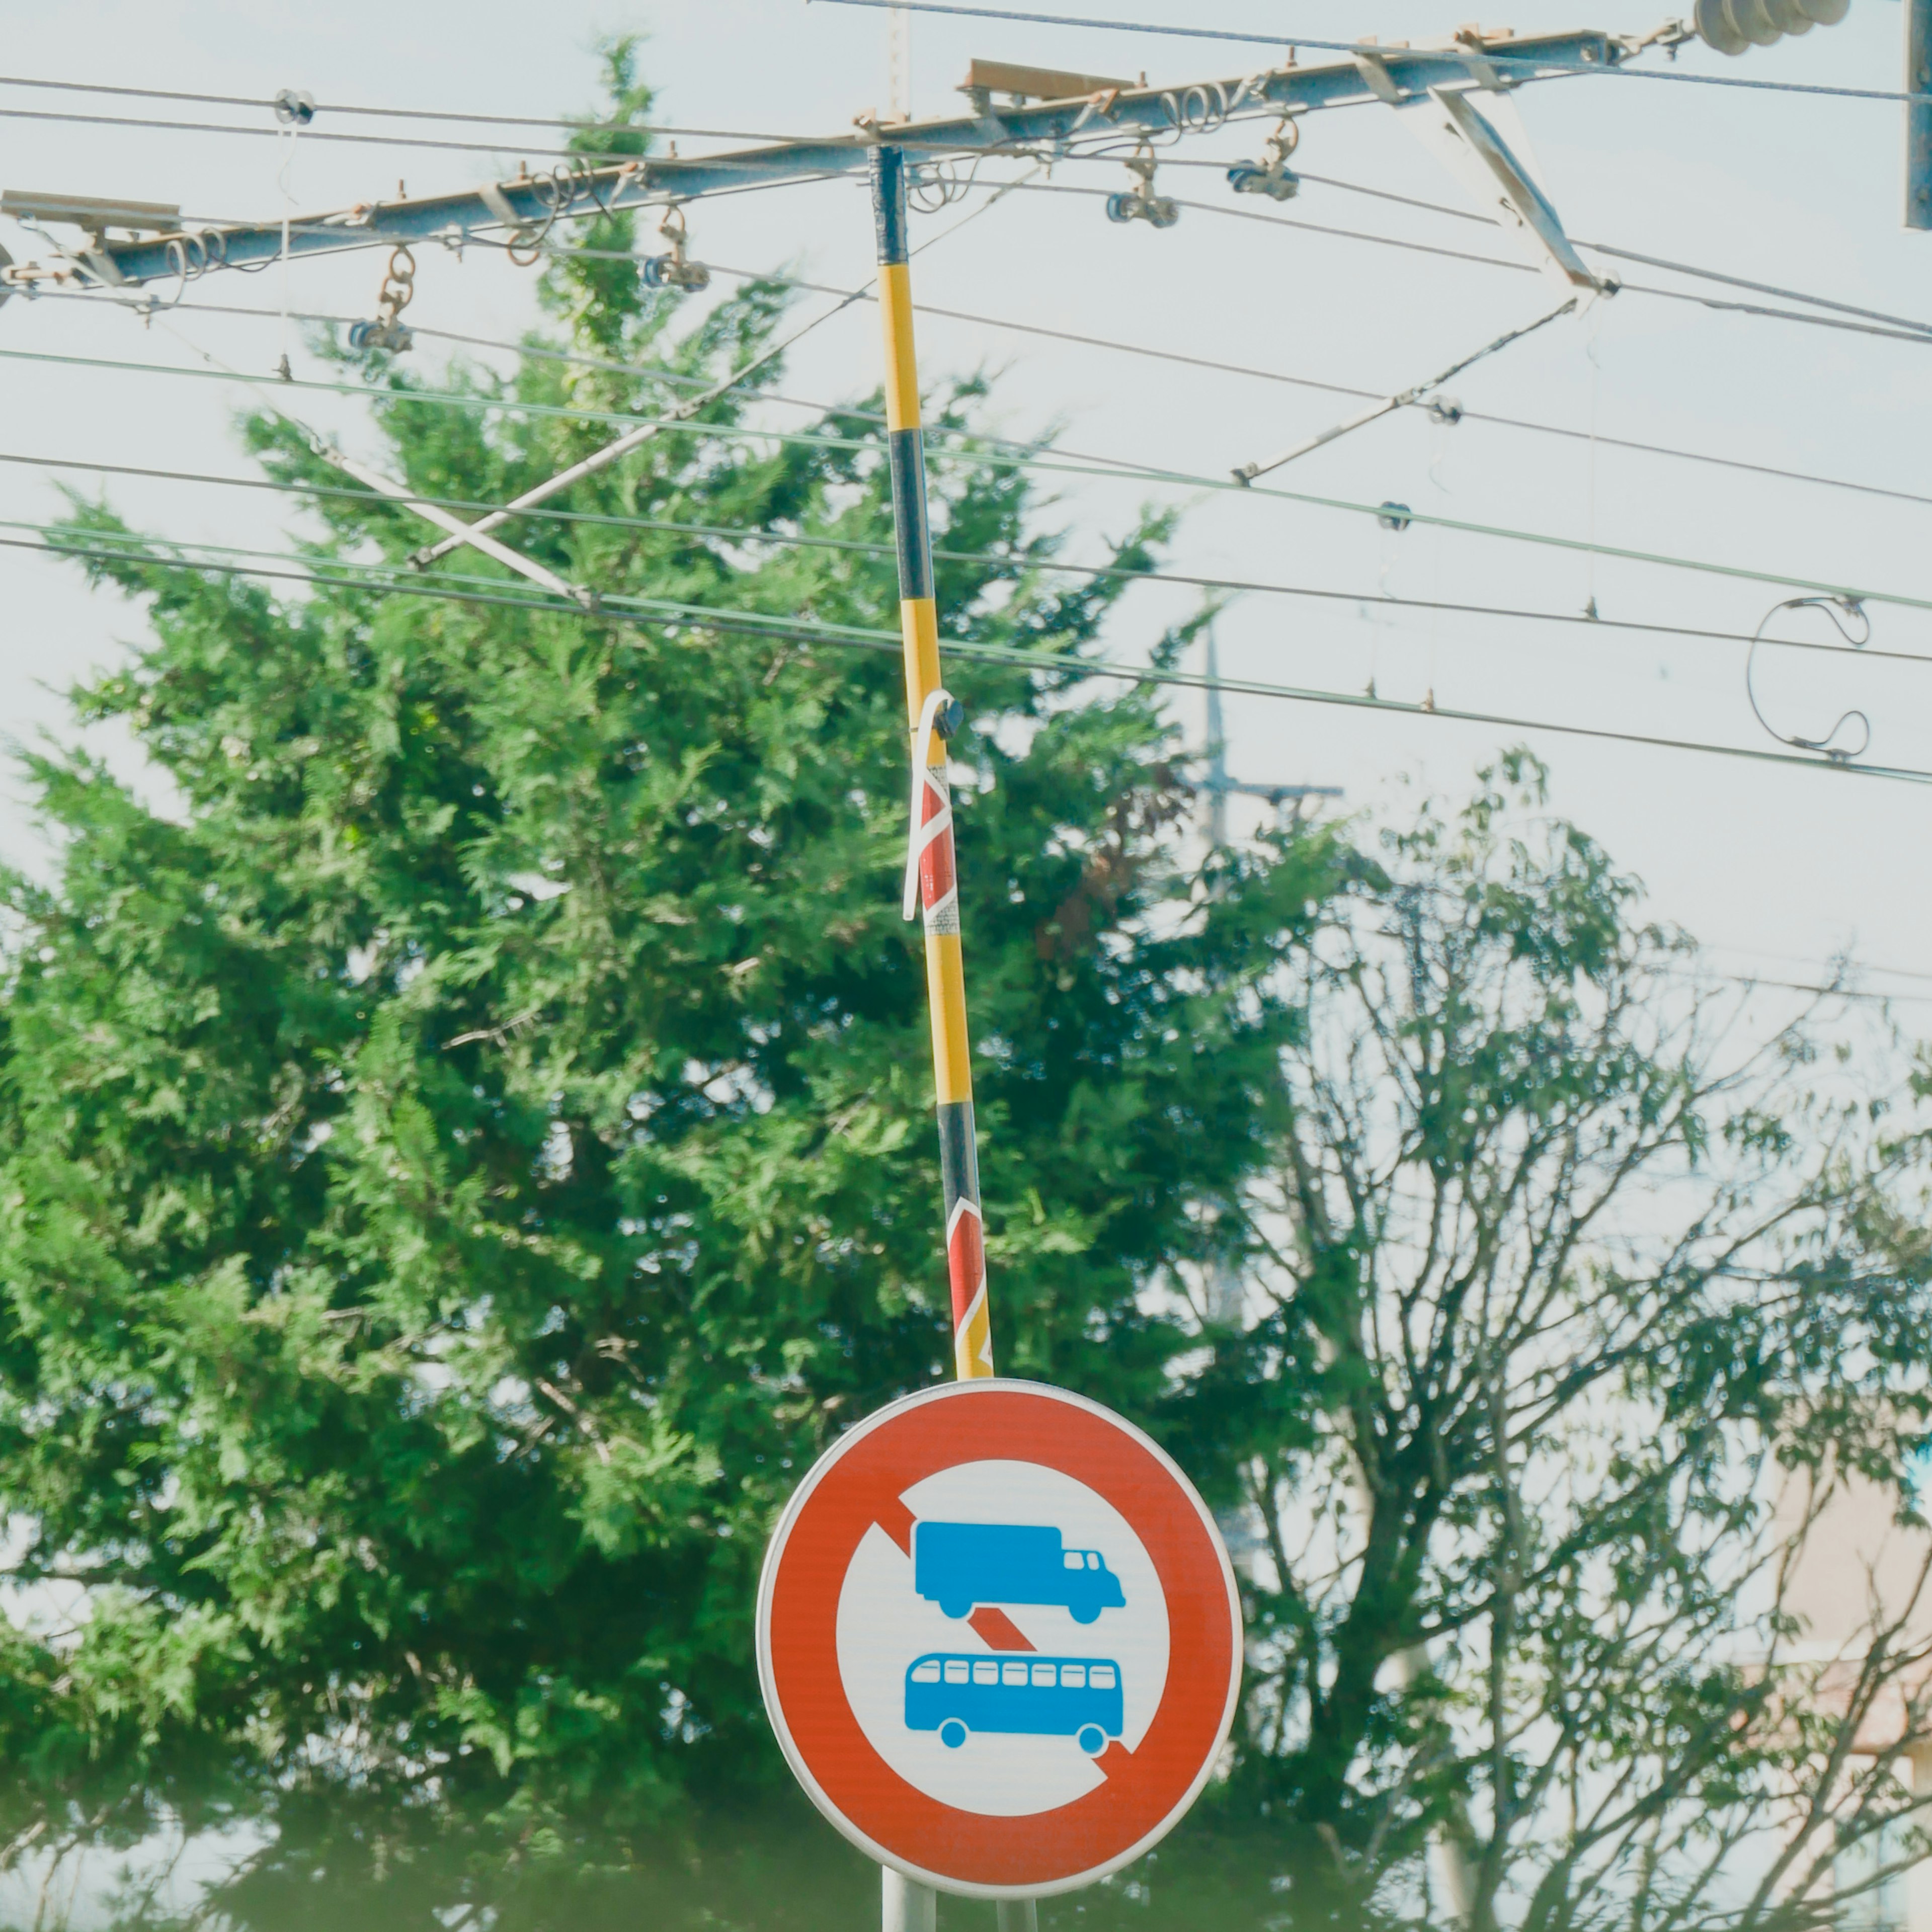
(671, 379)
(651, 610)
(1495, 55)
(1920, 333)
(309, 134)
(1070, 463)
(403, 113)
(1179, 357)
(1595, 248)
(1016, 565)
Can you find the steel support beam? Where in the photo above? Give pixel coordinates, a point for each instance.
(531, 204)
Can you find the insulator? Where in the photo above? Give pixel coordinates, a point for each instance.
(1732, 25)
(1257, 177)
(383, 333)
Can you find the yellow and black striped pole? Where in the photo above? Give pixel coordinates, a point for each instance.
(937, 894)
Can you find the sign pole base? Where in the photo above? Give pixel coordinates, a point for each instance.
(905, 1907)
(1018, 1914)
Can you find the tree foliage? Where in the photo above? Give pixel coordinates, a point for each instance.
(459, 1165)
(457, 1172)
(1578, 1301)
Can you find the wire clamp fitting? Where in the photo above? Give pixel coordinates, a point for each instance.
(1272, 177)
(929, 829)
(1140, 203)
(386, 331)
(673, 271)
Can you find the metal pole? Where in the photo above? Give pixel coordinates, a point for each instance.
(938, 889)
(1917, 115)
(1019, 1914)
(938, 883)
(905, 1907)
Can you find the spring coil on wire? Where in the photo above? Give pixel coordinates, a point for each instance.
(933, 185)
(558, 190)
(1199, 109)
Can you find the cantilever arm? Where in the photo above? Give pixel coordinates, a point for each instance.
(1248, 472)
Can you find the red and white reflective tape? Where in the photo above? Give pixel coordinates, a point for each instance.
(931, 882)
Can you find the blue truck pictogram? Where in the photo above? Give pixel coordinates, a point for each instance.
(1026, 1695)
(959, 1565)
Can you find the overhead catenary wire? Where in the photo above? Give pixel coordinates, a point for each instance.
(1914, 332)
(1015, 564)
(1077, 339)
(1595, 248)
(150, 125)
(1497, 56)
(660, 610)
(269, 105)
(1068, 463)
(673, 379)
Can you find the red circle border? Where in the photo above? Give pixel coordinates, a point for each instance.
(858, 1481)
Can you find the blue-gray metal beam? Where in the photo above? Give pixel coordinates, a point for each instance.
(1919, 114)
(530, 203)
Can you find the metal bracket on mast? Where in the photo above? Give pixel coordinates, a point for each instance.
(1467, 143)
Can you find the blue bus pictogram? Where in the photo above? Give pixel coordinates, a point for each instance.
(1025, 1696)
(958, 1565)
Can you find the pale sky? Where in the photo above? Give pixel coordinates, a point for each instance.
(1778, 868)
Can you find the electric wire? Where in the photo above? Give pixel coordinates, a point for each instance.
(1067, 462)
(672, 378)
(1914, 329)
(1495, 55)
(1916, 332)
(707, 617)
(1003, 564)
(1078, 340)
(308, 134)
(1595, 248)
(404, 113)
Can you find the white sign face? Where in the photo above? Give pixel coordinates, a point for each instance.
(999, 1638)
(885, 1626)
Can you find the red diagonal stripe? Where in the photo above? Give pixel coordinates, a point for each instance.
(965, 1263)
(896, 1520)
(937, 877)
(997, 1630)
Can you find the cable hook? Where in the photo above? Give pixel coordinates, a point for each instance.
(673, 271)
(1140, 203)
(1273, 176)
(387, 331)
(1832, 607)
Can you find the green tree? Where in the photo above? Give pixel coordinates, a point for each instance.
(457, 1172)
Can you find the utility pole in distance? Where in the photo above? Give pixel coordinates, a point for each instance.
(1918, 113)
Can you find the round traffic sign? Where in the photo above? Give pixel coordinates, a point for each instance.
(999, 1638)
